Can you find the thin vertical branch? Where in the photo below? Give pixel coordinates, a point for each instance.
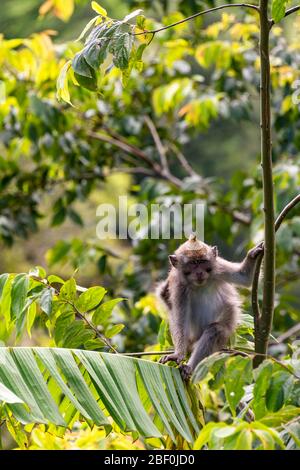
(255, 304)
(264, 322)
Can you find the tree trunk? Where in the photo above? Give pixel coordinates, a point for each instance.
(264, 322)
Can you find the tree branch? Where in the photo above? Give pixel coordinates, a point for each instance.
(159, 145)
(265, 322)
(291, 332)
(254, 300)
(200, 13)
(135, 151)
(182, 159)
(285, 211)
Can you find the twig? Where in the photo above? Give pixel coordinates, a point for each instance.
(132, 150)
(254, 300)
(148, 353)
(291, 332)
(159, 145)
(200, 13)
(286, 210)
(182, 159)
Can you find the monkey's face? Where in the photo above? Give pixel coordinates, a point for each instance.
(195, 270)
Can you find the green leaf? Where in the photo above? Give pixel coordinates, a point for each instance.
(103, 312)
(45, 300)
(5, 305)
(87, 27)
(89, 299)
(205, 434)
(122, 48)
(31, 314)
(98, 9)
(84, 74)
(38, 271)
(263, 377)
(3, 279)
(113, 330)
(244, 440)
(68, 290)
(63, 323)
(59, 217)
(207, 364)
(95, 53)
(281, 417)
(279, 390)
(8, 396)
(18, 295)
(40, 393)
(75, 217)
(128, 390)
(62, 83)
(58, 252)
(76, 335)
(238, 373)
(88, 83)
(278, 9)
(55, 279)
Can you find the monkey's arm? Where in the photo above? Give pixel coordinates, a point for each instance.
(239, 273)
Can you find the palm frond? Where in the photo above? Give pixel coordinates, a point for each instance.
(52, 385)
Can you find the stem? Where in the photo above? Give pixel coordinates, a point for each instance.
(148, 353)
(255, 303)
(265, 321)
(286, 210)
(291, 332)
(136, 152)
(158, 143)
(200, 13)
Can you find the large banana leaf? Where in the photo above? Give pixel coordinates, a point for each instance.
(52, 385)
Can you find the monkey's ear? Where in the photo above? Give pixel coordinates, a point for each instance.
(215, 251)
(173, 260)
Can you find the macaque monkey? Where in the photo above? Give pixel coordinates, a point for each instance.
(202, 303)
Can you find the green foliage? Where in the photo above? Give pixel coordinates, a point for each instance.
(194, 84)
(134, 393)
(278, 9)
(269, 395)
(73, 315)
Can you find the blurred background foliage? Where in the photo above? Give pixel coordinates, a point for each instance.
(198, 91)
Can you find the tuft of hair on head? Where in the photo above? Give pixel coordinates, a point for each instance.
(192, 237)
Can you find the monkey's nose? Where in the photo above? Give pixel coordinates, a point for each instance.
(200, 276)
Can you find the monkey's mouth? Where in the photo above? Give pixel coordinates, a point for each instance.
(200, 282)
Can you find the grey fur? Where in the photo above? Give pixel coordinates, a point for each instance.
(203, 315)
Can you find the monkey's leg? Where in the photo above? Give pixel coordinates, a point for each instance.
(214, 338)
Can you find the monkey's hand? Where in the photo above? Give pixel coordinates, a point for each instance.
(185, 371)
(176, 357)
(256, 251)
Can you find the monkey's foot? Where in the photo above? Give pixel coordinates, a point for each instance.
(185, 371)
(257, 250)
(171, 357)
